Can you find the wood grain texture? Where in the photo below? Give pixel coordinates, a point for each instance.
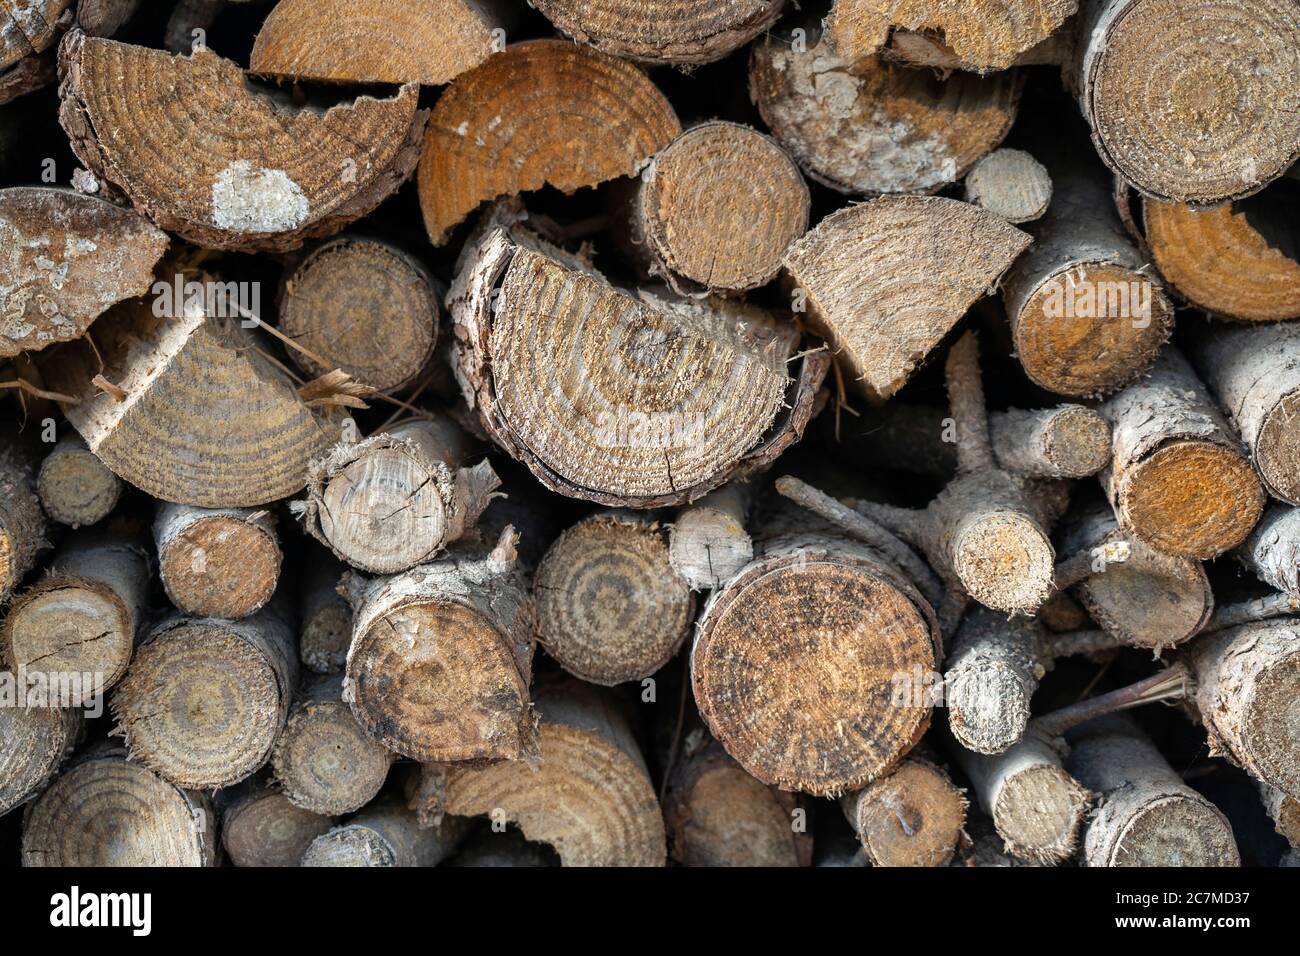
(885, 281)
(260, 827)
(255, 173)
(1178, 118)
(915, 816)
(67, 258)
(217, 562)
(627, 401)
(74, 486)
(34, 741)
(378, 41)
(207, 421)
(871, 127)
(481, 145)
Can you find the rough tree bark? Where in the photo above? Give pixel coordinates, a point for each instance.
(1146, 815)
(205, 699)
(870, 127)
(914, 816)
(323, 760)
(106, 810)
(260, 827)
(718, 815)
(400, 497)
(1197, 128)
(610, 606)
(1085, 318)
(378, 41)
(590, 797)
(74, 486)
(1254, 371)
(217, 562)
(1247, 694)
(717, 208)
(206, 418)
(982, 35)
(793, 662)
(68, 258)
(708, 542)
(1284, 811)
(480, 145)
(679, 395)
(255, 174)
(1179, 477)
(81, 617)
(441, 659)
(363, 306)
(664, 31)
(866, 277)
(386, 833)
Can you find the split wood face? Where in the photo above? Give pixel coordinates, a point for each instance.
(74, 486)
(1082, 352)
(260, 175)
(1219, 262)
(108, 811)
(480, 145)
(207, 420)
(872, 128)
(913, 817)
(637, 402)
(33, 742)
(378, 41)
(663, 31)
(28, 27)
(794, 668)
(1172, 108)
(268, 830)
(868, 275)
(67, 258)
(205, 700)
(364, 307)
(983, 34)
(610, 607)
(720, 206)
(589, 799)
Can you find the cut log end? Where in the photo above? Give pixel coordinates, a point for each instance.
(1277, 448)
(107, 811)
(364, 307)
(1081, 352)
(267, 830)
(217, 564)
(720, 205)
(204, 700)
(324, 761)
(709, 544)
(1191, 498)
(70, 626)
(1005, 562)
(610, 607)
(481, 146)
(33, 742)
(988, 706)
(75, 487)
(913, 817)
(1075, 442)
(1039, 812)
(1011, 184)
(793, 667)
(1192, 129)
(590, 797)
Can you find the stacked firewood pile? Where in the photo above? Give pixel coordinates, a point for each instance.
(610, 432)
